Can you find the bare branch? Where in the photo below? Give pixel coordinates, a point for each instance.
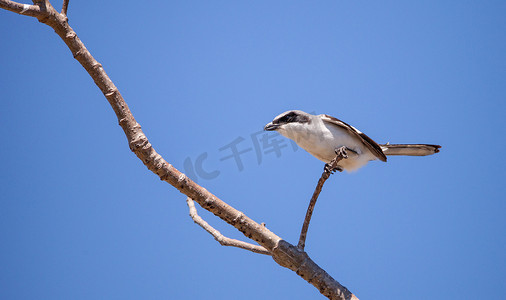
(64, 8)
(329, 168)
(22, 9)
(223, 240)
(282, 252)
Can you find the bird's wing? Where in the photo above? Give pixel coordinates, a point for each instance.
(368, 142)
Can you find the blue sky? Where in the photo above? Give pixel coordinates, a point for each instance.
(82, 218)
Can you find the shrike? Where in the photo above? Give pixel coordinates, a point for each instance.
(322, 135)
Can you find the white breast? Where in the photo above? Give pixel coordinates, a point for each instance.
(321, 139)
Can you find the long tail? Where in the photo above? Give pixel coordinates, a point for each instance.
(410, 149)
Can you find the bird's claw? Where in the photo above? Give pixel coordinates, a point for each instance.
(328, 169)
(341, 151)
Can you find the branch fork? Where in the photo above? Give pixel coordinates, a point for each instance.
(220, 238)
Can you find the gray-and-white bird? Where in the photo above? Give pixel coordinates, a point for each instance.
(322, 135)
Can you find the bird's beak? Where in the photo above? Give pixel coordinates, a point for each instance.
(271, 127)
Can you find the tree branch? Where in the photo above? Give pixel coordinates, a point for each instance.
(22, 9)
(329, 169)
(282, 252)
(223, 240)
(65, 7)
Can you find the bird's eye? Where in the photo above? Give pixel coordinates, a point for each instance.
(288, 118)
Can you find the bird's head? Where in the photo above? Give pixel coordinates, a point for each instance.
(289, 123)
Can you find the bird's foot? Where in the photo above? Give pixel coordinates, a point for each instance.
(329, 169)
(343, 152)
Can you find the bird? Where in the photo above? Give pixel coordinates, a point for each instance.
(323, 136)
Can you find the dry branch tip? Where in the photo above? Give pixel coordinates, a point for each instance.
(218, 236)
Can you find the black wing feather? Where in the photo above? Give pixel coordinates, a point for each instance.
(370, 143)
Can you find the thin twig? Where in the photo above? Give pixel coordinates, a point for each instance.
(223, 240)
(65, 7)
(329, 168)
